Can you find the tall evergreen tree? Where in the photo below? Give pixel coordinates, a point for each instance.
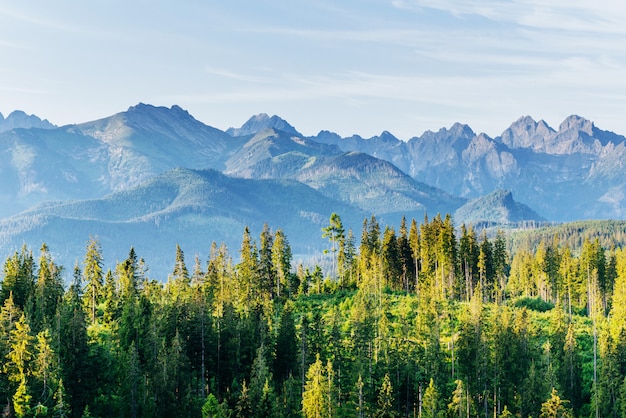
(385, 400)
(93, 275)
(48, 290)
(555, 407)
(19, 277)
(336, 235)
(286, 360)
(267, 271)
(45, 369)
(74, 350)
(281, 259)
(248, 287)
(317, 395)
(430, 402)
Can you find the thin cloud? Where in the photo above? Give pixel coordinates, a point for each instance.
(234, 75)
(581, 15)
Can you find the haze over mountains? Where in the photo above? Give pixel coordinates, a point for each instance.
(153, 177)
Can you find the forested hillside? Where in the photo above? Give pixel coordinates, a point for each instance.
(423, 321)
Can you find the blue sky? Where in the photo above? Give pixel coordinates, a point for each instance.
(350, 66)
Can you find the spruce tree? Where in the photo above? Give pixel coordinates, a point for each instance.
(94, 277)
(385, 400)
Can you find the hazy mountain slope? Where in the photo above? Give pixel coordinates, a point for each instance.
(186, 207)
(111, 154)
(385, 146)
(270, 143)
(497, 207)
(146, 141)
(360, 180)
(40, 164)
(19, 119)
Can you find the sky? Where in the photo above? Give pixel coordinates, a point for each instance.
(350, 66)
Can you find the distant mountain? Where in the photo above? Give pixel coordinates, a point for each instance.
(496, 208)
(158, 173)
(42, 164)
(385, 146)
(371, 184)
(145, 141)
(261, 122)
(187, 207)
(271, 143)
(111, 154)
(573, 173)
(19, 119)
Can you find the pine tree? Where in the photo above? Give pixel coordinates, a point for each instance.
(317, 391)
(361, 409)
(61, 407)
(267, 404)
(243, 409)
(267, 271)
(385, 400)
(258, 376)
(571, 369)
(468, 253)
(20, 351)
(336, 235)
(405, 255)
(210, 408)
(180, 275)
(18, 365)
(21, 399)
(45, 367)
(392, 268)
(555, 407)
(281, 259)
(461, 403)
(48, 290)
(9, 315)
(93, 276)
(19, 277)
(248, 291)
(430, 402)
(111, 300)
(74, 350)
(128, 276)
(290, 400)
(414, 243)
(500, 263)
(285, 362)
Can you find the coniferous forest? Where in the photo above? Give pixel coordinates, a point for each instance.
(430, 320)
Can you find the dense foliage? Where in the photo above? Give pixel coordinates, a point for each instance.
(427, 321)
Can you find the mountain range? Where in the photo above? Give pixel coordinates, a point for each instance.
(154, 177)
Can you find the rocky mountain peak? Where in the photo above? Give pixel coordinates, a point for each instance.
(462, 131)
(387, 136)
(526, 133)
(456, 131)
(575, 122)
(19, 119)
(260, 122)
(143, 110)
